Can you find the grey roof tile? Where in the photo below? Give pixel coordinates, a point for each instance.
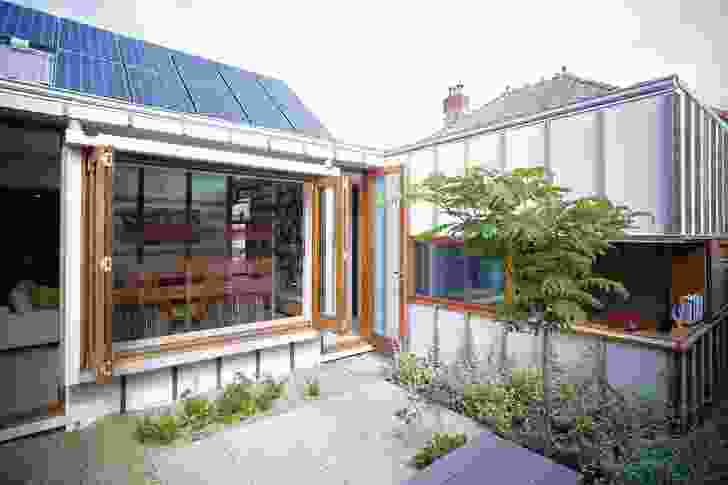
(562, 89)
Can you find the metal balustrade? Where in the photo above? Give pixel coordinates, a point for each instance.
(699, 364)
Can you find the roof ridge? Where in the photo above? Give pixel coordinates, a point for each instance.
(587, 81)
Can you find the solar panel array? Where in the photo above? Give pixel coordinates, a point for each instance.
(101, 63)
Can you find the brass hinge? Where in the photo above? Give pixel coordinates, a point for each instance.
(106, 368)
(105, 264)
(106, 157)
(90, 165)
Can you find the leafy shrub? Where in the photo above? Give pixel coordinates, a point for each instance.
(567, 392)
(276, 390)
(504, 402)
(197, 413)
(527, 385)
(163, 429)
(651, 460)
(440, 445)
(412, 372)
(267, 391)
(312, 389)
(584, 424)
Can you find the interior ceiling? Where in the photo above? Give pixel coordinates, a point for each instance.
(102, 63)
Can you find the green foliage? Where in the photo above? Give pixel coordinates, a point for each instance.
(440, 445)
(584, 424)
(239, 398)
(412, 372)
(553, 242)
(651, 460)
(197, 414)
(163, 429)
(312, 389)
(567, 392)
(503, 402)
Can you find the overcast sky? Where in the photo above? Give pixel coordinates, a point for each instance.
(375, 72)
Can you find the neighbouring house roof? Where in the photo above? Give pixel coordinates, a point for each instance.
(564, 88)
(97, 62)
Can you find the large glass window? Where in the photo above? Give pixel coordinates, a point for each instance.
(197, 251)
(450, 271)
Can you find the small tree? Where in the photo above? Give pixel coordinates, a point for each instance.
(548, 244)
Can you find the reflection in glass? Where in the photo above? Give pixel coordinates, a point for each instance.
(328, 252)
(196, 251)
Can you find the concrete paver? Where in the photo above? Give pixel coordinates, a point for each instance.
(349, 436)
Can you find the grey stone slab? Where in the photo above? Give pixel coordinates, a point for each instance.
(203, 462)
(501, 461)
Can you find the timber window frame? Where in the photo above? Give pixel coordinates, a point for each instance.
(424, 287)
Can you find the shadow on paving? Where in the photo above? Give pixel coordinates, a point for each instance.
(103, 453)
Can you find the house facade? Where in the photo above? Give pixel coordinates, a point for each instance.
(653, 146)
(208, 223)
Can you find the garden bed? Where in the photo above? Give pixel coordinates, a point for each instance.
(596, 431)
(195, 417)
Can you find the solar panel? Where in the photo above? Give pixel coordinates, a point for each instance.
(88, 75)
(209, 92)
(149, 87)
(87, 40)
(255, 101)
(301, 117)
(136, 52)
(39, 28)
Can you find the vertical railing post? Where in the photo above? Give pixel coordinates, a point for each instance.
(709, 368)
(673, 388)
(696, 378)
(683, 390)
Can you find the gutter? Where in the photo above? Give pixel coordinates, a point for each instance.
(96, 110)
(644, 89)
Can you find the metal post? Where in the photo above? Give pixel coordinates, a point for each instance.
(689, 192)
(709, 368)
(684, 390)
(696, 379)
(274, 255)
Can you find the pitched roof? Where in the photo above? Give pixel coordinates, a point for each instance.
(562, 89)
(101, 63)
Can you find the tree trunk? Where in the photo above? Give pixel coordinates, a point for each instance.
(546, 369)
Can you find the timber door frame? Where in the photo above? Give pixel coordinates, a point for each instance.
(96, 251)
(405, 282)
(341, 322)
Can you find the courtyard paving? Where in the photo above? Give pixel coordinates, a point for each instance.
(348, 436)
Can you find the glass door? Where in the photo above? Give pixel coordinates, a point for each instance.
(331, 217)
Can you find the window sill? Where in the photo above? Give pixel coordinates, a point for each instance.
(180, 342)
(190, 349)
(484, 310)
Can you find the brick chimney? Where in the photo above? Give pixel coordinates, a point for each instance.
(456, 105)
